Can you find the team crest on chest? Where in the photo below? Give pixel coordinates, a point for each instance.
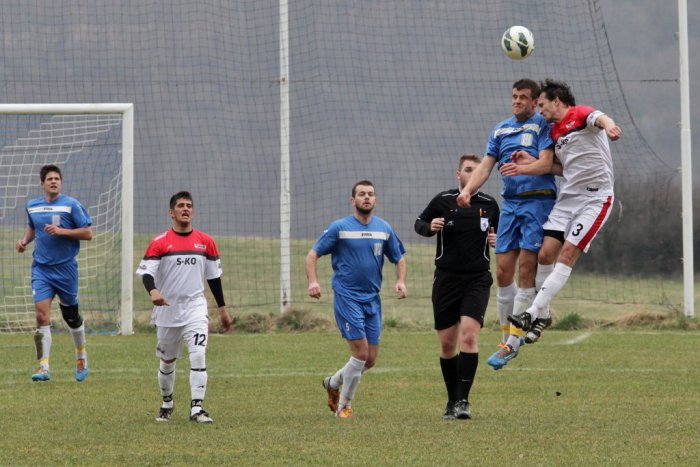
(484, 224)
(377, 249)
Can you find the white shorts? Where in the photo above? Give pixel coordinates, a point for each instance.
(580, 218)
(195, 335)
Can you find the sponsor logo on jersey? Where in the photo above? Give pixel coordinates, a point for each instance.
(562, 142)
(355, 234)
(186, 261)
(199, 246)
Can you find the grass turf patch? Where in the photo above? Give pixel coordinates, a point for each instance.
(576, 397)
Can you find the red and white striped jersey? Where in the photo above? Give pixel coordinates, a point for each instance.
(179, 264)
(584, 152)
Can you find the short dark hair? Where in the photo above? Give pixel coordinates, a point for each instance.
(361, 182)
(528, 84)
(180, 195)
(49, 168)
(469, 157)
(558, 89)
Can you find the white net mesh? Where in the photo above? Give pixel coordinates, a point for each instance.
(394, 91)
(87, 148)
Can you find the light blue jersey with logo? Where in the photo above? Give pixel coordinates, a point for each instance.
(357, 255)
(65, 212)
(531, 135)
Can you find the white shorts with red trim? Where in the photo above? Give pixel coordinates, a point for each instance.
(580, 218)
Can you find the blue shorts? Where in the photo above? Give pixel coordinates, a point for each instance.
(61, 280)
(358, 320)
(520, 223)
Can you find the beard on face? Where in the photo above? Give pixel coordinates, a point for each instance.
(364, 211)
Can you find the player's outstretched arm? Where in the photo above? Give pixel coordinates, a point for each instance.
(526, 164)
(480, 175)
(314, 287)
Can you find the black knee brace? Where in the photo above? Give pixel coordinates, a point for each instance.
(71, 315)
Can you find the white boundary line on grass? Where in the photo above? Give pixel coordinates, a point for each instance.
(578, 339)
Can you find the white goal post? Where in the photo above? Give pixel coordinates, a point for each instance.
(72, 131)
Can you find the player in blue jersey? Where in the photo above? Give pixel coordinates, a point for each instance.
(357, 245)
(528, 197)
(57, 223)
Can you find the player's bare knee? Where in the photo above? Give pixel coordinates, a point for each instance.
(526, 272)
(552, 245)
(468, 341)
(71, 315)
(547, 256)
(42, 319)
(448, 348)
(468, 335)
(569, 256)
(43, 313)
(504, 276)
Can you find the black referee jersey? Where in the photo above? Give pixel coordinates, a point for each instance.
(462, 245)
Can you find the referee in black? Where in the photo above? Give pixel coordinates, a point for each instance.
(462, 282)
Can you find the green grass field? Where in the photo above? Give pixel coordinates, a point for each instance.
(599, 397)
(251, 285)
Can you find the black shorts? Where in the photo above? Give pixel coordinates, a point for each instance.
(457, 295)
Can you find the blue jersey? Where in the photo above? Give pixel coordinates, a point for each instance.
(357, 255)
(531, 135)
(65, 212)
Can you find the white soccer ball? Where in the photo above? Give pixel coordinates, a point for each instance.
(518, 42)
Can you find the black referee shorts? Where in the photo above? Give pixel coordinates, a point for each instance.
(457, 295)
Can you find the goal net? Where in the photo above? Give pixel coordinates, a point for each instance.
(87, 143)
(393, 91)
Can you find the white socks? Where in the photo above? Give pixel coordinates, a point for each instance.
(523, 300)
(166, 381)
(351, 374)
(505, 298)
(550, 288)
(198, 375)
(543, 272)
(79, 341)
(42, 340)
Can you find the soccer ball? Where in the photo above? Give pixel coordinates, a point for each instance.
(518, 42)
